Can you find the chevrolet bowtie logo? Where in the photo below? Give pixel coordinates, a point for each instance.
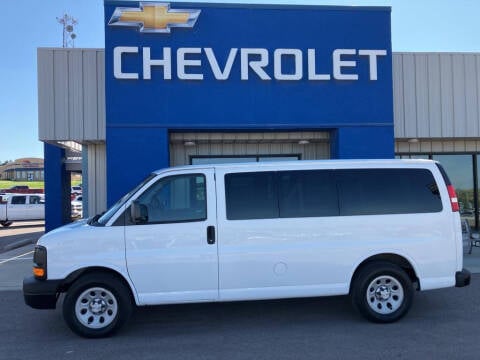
(154, 17)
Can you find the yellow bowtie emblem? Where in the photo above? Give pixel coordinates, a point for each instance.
(154, 17)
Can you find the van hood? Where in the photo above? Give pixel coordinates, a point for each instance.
(58, 232)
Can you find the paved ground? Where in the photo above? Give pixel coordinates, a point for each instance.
(443, 324)
(16, 249)
(14, 266)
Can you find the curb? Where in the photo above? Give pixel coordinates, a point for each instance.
(11, 288)
(18, 244)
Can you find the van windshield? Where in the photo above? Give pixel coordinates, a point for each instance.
(110, 212)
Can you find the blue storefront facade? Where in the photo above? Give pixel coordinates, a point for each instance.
(244, 71)
(216, 67)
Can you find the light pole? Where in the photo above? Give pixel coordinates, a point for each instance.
(69, 36)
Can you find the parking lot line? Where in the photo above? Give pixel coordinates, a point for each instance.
(16, 258)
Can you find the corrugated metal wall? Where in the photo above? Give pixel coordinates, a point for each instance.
(71, 94)
(436, 95)
(428, 146)
(436, 103)
(254, 143)
(97, 175)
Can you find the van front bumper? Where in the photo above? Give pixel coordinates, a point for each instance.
(41, 294)
(462, 278)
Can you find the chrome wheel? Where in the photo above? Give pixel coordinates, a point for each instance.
(385, 295)
(96, 308)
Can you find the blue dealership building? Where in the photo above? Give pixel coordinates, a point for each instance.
(195, 83)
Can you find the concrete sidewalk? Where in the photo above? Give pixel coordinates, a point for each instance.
(20, 234)
(472, 261)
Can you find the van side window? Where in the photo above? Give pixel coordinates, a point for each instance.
(387, 191)
(251, 196)
(176, 199)
(307, 193)
(19, 200)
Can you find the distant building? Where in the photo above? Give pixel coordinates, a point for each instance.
(25, 169)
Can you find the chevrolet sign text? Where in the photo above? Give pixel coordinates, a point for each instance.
(253, 61)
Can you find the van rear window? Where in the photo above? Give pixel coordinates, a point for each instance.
(387, 191)
(251, 196)
(307, 193)
(318, 193)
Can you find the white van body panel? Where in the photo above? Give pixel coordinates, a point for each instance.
(79, 246)
(260, 258)
(458, 240)
(172, 262)
(318, 255)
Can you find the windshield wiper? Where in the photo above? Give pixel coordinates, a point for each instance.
(94, 220)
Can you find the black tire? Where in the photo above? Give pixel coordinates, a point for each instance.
(382, 292)
(104, 305)
(6, 223)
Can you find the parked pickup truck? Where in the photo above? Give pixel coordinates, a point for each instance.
(21, 189)
(20, 207)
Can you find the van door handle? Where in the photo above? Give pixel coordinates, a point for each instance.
(211, 235)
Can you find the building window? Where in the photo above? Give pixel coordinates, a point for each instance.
(460, 171)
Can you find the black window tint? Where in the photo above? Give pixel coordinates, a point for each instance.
(251, 196)
(307, 194)
(387, 191)
(176, 199)
(19, 200)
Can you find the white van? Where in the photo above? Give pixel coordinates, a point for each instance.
(374, 229)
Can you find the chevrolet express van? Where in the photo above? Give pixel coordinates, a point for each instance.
(374, 229)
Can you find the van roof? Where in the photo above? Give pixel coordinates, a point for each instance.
(305, 163)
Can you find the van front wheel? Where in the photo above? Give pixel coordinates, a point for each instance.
(382, 292)
(97, 305)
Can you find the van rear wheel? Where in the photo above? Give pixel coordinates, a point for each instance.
(97, 305)
(382, 292)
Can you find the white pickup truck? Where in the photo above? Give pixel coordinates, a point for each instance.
(21, 207)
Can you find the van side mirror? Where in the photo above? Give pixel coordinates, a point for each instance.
(138, 213)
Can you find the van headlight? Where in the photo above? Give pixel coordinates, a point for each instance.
(40, 262)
